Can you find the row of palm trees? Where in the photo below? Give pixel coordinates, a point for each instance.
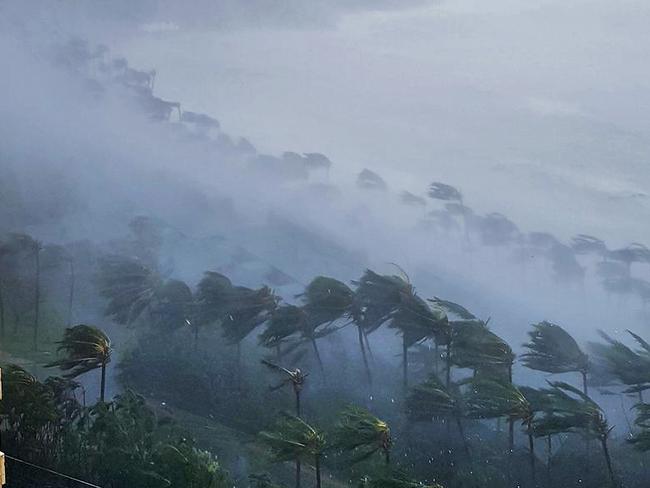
(327, 305)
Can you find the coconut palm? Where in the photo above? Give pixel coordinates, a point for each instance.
(129, 286)
(174, 306)
(494, 399)
(416, 322)
(24, 246)
(573, 411)
(85, 348)
(286, 322)
(553, 350)
(431, 399)
(630, 367)
(325, 301)
(475, 346)
(293, 439)
(586, 244)
(53, 258)
(376, 297)
(641, 440)
(633, 253)
(362, 434)
(295, 378)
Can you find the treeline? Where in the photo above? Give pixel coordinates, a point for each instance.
(461, 367)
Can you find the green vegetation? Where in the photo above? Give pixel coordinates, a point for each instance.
(194, 354)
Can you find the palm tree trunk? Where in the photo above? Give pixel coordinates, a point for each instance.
(610, 471)
(298, 408)
(2, 313)
(365, 336)
(511, 436)
(405, 362)
(71, 293)
(363, 355)
(102, 390)
(549, 454)
(387, 456)
(318, 358)
(436, 359)
(461, 431)
(531, 452)
(448, 360)
(239, 367)
(584, 382)
(317, 466)
(298, 472)
(37, 298)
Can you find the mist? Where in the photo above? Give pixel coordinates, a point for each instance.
(274, 144)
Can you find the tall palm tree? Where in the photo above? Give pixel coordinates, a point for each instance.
(361, 433)
(295, 378)
(416, 322)
(174, 306)
(553, 350)
(85, 348)
(376, 297)
(25, 246)
(493, 399)
(325, 301)
(293, 439)
(129, 286)
(286, 322)
(432, 399)
(573, 411)
(630, 367)
(53, 258)
(641, 440)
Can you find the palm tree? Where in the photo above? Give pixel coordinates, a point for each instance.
(573, 411)
(293, 439)
(23, 245)
(641, 439)
(129, 286)
(358, 431)
(416, 321)
(325, 301)
(432, 399)
(632, 368)
(295, 378)
(586, 244)
(448, 193)
(86, 348)
(53, 257)
(553, 350)
(493, 399)
(174, 306)
(375, 299)
(286, 322)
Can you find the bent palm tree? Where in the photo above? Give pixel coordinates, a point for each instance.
(573, 411)
(293, 439)
(553, 350)
(630, 367)
(358, 431)
(432, 399)
(130, 287)
(295, 378)
(494, 399)
(325, 300)
(86, 348)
